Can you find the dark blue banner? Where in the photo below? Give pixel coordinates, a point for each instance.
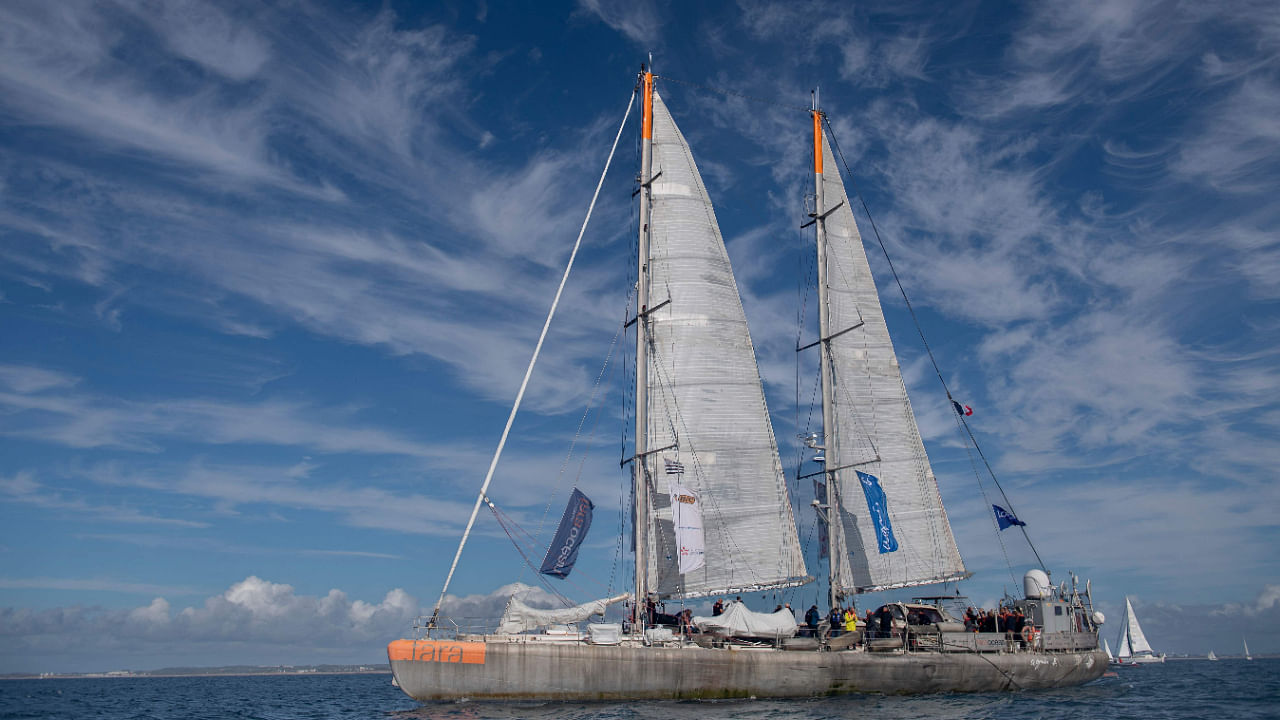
(878, 505)
(1005, 518)
(563, 552)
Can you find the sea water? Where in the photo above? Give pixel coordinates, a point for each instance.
(1176, 690)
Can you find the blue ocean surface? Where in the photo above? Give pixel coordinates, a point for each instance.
(1176, 690)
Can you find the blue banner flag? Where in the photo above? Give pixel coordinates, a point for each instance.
(563, 552)
(878, 505)
(1005, 518)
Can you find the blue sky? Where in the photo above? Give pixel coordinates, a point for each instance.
(270, 274)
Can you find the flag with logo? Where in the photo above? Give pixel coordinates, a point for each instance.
(686, 515)
(1005, 518)
(574, 525)
(878, 506)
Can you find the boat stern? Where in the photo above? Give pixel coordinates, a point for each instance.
(420, 666)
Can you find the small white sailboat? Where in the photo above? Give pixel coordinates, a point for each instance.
(1211, 656)
(1247, 656)
(1133, 647)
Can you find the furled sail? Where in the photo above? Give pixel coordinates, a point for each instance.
(706, 407)
(518, 617)
(875, 441)
(738, 621)
(1137, 639)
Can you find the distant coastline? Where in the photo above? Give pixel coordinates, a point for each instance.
(222, 671)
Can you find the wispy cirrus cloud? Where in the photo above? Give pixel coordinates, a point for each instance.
(83, 420)
(49, 583)
(23, 488)
(640, 21)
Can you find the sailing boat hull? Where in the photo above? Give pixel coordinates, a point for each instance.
(546, 671)
(1144, 659)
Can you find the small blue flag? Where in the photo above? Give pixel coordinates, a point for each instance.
(1005, 518)
(878, 505)
(574, 525)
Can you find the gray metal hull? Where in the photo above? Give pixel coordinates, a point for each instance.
(584, 672)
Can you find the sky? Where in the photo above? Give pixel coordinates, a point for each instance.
(270, 275)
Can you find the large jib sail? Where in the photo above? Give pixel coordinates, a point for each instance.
(875, 433)
(1136, 639)
(706, 407)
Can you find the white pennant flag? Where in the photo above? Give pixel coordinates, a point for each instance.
(686, 515)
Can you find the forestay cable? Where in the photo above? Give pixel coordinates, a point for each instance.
(497, 454)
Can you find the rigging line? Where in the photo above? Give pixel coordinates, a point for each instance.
(506, 520)
(590, 440)
(520, 549)
(622, 505)
(734, 93)
(986, 502)
(920, 330)
(577, 434)
(497, 454)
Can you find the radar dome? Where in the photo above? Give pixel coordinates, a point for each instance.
(1098, 617)
(1035, 584)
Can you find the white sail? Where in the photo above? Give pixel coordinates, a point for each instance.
(1107, 648)
(1122, 645)
(1137, 640)
(875, 429)
(1247, 656)
(706, 406)
(1211, 656)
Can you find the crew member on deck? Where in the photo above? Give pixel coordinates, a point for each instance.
(811, 618)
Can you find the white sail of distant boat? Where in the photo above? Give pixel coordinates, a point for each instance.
(872, 435)
(1247, 656)
(1211, 656)
(1133, 645)
(1122, 644)
(1107, 648)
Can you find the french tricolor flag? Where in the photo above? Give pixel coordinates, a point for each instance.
(962, 409)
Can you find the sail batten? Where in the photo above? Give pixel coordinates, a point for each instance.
(874, 428)
(704, 397)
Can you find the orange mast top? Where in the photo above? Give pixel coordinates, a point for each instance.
(646, 130)
(817, 142)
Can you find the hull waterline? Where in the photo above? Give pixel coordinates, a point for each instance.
(442, 670)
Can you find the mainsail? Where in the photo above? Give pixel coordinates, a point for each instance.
(1133, 631)
(874, 429)
(705, 405)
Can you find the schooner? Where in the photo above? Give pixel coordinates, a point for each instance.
(712, 513)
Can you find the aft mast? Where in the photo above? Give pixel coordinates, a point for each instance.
(831, 455)
(886, 525)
